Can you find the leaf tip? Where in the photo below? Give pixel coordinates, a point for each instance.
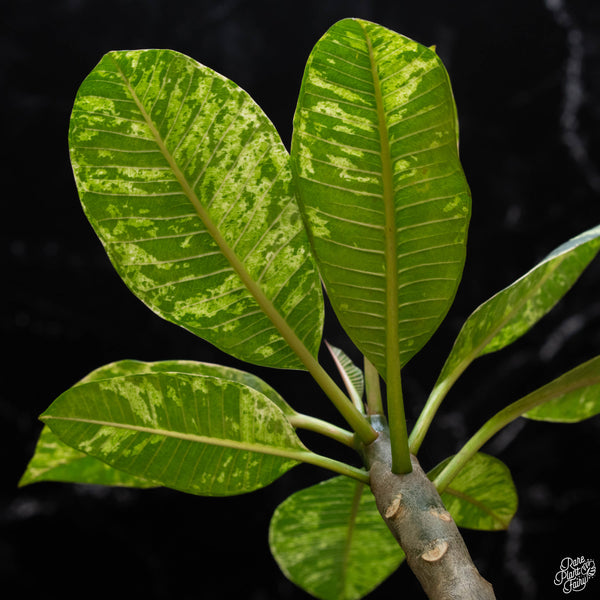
(25, 480)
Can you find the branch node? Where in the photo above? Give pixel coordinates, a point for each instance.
(438, 550)
(394, 508)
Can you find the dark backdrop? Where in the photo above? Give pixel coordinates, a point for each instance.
(526, 76)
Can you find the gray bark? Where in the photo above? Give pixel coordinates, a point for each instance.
(415, 514)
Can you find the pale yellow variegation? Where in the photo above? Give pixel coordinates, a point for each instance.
(375, 147)
(189, 187)
(195, 433)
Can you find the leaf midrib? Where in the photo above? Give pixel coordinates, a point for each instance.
(193, 198)
(298, 454)
(251, 285)
(400, 453)
(354, 509)
(390, 253)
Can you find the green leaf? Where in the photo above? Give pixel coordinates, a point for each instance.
(353, 377)
(514, 310)
(508, 315)
(198, 434)
(54, 460)
(570, 398)
(375, 148)
(330, 540)
(482, 495)
(135, 367)
(189, 188)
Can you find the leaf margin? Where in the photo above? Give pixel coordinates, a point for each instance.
(288, 458)
(360, 505)
(254, 291)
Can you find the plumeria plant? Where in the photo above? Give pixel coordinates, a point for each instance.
(215, 226)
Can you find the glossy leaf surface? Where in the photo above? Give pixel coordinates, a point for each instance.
(54, 460)
(189, 188)
(482, 495)
(514, 310)
(196, 434)
(375, 147)
(570, 398)
(330, 540)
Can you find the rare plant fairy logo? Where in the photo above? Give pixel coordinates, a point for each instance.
(574, 573)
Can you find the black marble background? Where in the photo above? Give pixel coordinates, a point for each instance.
(526, 77)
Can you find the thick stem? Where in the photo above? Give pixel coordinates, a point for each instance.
(415, 514)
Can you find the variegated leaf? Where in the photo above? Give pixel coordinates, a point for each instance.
(510, 313)
(352, 376)
(482, 495)
(330, 540)
(189, 188)
(197, 434)
(54, 460)
(122, 368)
(570, 398)
(375, 147)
